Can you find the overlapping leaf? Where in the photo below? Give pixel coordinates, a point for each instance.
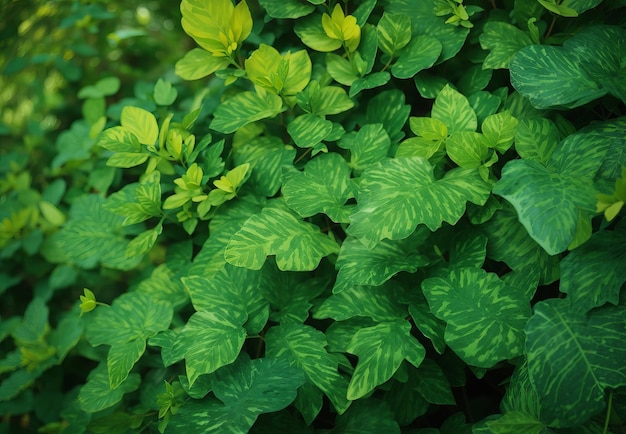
(367, 146)
(96, 395)
(588, 66)
(562, 345)
(454, 110)
(485, 317)
(503, 41)
(398, 194)
(246, 389)
(298, 246)
(381, 349)
(244, 108)
(359, 265)
(131, 319)
(593, 274)
(305, 347)
(314, 191)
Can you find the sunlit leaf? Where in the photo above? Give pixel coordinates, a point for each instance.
(244, 108)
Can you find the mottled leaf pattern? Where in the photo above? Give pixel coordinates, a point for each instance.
(398, 194)
(484, 317)
(244, 108)
(298, 246)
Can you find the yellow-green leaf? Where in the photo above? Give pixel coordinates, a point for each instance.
(141, 123)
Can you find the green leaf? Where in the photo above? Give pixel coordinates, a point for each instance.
(104, 87)
(210, 340)
(246, 389)
(341, 69)
(433, 384)
(326, 100)
(380, 303)
(427, 323)
(503, 41)
(244, 108)
(164, 285)
(313, 191)
(516, 423)
(286, 8)
(421, 53)
(309, 130)
(562, 345)
(592, 274)
(267, 157)
(126, 327)
(141, 123)
(454, 110)
(143, 242)
(390, 194)
(389, 108)
(234, 288)
(164, 93)
(520, 396)
(370, 81)
(312, 34)
(484, 317)
(305, 347)
(468, 149)
(298, 246)
(394, 32)
(119, 139)
(93, 235)
(359, 265)
(381, 349)
(368, 416)
(536, 139)
(571, 76)
(510, 243)
(368, 146)
(500, 131)
(96, 395)
(549, 199)
(198, 63)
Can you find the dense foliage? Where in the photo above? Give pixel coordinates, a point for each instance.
(299, 216)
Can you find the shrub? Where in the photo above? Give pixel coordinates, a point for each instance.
(376, 217)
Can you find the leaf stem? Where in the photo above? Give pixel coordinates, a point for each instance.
(308, 151)
(549, 32)
(609, 409)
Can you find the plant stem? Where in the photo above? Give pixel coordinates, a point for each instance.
(608, 413)
(549, 32)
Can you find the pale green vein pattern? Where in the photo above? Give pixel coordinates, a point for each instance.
(485, 317)
(314, 191)
(244, 108)
(305, 347)
(96, 395)
(398, 194)
(298, 246)
(573, 358)
(381, 349)
(359, 265)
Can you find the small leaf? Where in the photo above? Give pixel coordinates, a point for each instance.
(298, 246)
(503, 40)
(499, 131)
(198, 63)
(286, 8)
(468, 149)
(309, 130)
(454, 110)
(394, 32)
(536, 139)
(421, 53)
(164, 93)
(370, 81)
(244, 108)
(141, 123)
(96, 395)
(389, 108)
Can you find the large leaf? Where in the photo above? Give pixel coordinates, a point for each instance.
(503, 41)
(210, 340)
(393, 193)
(313, 191)
(485, 317)
(588, 66)
(267, 156)
(359, 265)
(247, 388)
(536, 139)
(593, 274)
(287, 9)
(141, 123)
(421, 53)
(380, 303)
(554, 198)
(368, 416)
(562, 345)
(381, 349)
(233, 288)
(298, 246)
(305, 347)
(132, 318)
(244, 108)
